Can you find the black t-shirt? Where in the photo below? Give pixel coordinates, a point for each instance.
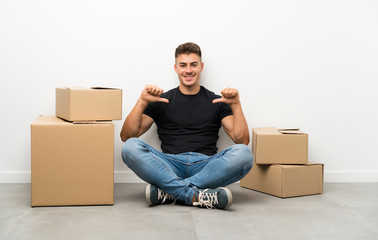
(188, 123)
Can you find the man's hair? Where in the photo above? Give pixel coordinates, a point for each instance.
(188, 48)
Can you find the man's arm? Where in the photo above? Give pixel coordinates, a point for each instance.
(235, 125)
(136, 122)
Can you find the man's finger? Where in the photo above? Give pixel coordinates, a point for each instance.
(218, 100)
(229, 92)
(154, 90)
(164, 100)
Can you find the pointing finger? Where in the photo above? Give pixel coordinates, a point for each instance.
(218, 100)
(164, 100)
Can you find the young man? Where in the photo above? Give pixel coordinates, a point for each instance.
(188, 119)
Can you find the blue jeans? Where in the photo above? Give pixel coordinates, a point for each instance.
(180, 175)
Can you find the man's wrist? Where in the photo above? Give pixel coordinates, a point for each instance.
(236, 107)
(235, 103)
(143, 103)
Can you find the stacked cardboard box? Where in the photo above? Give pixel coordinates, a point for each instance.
(281, 166)
(72, 153)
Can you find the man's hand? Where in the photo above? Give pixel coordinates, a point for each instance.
(229, 95)
(235, 125)
(151, 93)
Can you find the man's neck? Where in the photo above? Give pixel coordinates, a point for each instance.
(189, 90)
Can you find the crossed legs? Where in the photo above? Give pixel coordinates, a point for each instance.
(182, 175)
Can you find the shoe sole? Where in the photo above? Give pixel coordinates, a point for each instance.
(147, 194)
(229, 196)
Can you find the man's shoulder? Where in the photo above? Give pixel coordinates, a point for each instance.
(169, 93)
(209, 93)
(172, 90)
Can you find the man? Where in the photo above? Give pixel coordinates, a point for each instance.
(188, 119)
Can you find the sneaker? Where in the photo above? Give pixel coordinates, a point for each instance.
(155, 196)
(220, 198)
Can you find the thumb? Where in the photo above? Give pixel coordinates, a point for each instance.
(218, 100)
(164, 100)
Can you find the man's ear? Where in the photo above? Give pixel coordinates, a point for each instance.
(202, 66)
(175, 66)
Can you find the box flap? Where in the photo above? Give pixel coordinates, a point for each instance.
(77, 88)
(72, 88)
(86, 88)
(312, 163)
(104, 88)
(49, 120)
(297, 165)
(265, 130)
(290, 131)
(93, 122)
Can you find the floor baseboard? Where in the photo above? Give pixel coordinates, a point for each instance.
(130, 177)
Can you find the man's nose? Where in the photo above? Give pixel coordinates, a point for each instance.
(188, 69)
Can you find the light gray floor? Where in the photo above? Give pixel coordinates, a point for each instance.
(343, 211)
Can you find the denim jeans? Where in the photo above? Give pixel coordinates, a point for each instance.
(181, 175)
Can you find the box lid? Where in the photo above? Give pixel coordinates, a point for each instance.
(290, 131)
(53, 120)
(49, 120)
(277, 131)
(86, 88)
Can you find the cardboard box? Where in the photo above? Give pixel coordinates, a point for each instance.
(285, 180)
(89, 104)
(71, 164)
(279, 146)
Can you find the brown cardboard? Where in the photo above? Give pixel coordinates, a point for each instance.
(71, 164)
(89, 104)
(285, 180)
(279, 146)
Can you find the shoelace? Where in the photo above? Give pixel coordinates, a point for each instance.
(206, 199)
(163, 195)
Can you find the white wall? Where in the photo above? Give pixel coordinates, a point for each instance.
(307, 64)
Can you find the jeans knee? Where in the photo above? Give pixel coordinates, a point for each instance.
(244, 156)
(129, 149)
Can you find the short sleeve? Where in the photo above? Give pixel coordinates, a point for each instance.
(224, 111)
(151, 111)
(155, 109)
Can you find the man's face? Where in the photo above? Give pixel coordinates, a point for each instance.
(188, 68)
